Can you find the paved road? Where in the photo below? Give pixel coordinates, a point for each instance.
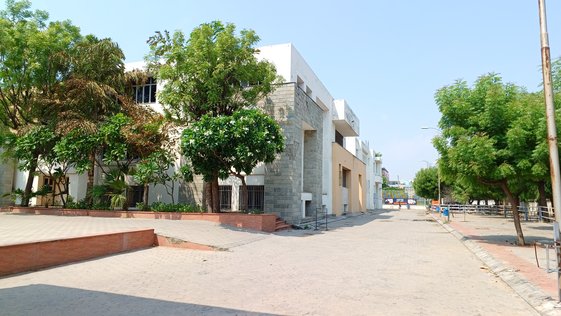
(385, 263)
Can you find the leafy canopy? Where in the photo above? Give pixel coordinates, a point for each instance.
(426, 183)
(212, 72)
(229, 145)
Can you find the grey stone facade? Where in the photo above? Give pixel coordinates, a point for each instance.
(299, 168)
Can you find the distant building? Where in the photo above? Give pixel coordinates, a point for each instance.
(386, 174)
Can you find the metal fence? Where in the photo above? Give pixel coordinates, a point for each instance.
(527, 213)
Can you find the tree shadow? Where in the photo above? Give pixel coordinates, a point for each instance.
(507, 240)
(46, 300)
(335, 223)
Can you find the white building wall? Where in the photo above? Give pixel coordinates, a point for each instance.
(292, 67)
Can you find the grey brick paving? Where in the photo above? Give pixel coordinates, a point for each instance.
(382, 263)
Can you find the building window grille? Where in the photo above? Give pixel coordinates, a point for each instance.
(145, 93)
(339, 138)
(135, 194)
(255, 197)
(225, 193)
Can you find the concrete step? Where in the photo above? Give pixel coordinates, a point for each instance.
(280, 224)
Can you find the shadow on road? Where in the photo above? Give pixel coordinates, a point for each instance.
(45, 300)
(507, 240)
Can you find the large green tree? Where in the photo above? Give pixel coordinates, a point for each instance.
(474, 144)
(212, 72)
(31, 70)
(426, 183)
(92, 92)
(232, 145)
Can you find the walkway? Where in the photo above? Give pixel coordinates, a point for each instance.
(380, 263)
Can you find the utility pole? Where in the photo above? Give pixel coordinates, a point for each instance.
(551, 131)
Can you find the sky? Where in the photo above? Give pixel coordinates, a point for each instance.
(386, 58)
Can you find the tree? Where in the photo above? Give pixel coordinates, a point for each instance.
(213, 73)
(232, 145)
(474, 143)
(31, 70)
(154, 169)
(93, 90)
(426, 183)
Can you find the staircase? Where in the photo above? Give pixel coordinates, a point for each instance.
(280, 224)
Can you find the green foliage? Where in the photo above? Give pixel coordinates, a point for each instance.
(224, 145)
(117, 201)
(142, 206)
(31, 67)
(426, 183)
(37, 141)
(73, 149)
(556, 74)
(80, 205)
(185, 208)
(474, 124)
(492, 138)
(154, 168)
(212, 72)
(385, 184)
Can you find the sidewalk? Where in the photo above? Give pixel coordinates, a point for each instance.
(493, 240)
(19, 228)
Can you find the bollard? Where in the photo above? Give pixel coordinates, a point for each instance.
(326, 220)
(316, 228)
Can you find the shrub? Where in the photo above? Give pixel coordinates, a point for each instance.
(165, 207)
(82, 204)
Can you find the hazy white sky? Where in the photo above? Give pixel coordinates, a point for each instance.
(386, 58)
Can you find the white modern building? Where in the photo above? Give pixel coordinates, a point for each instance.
(325, 166)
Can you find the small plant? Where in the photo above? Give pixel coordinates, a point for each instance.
(253, 211)
(117, 201)
(142, 206)
(185, 208)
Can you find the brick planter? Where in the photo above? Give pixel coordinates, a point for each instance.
(261, 222)
(42, 254)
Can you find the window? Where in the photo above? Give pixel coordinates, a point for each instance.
(309, 91)
(145, 93)
(339, 138)
(345, 179)
(135, 194)
(225, 193)
(255, 197)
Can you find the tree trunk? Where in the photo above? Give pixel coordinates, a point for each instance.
(29, 184)
(90, 183)
(207, 196)
(215, 196)
(126, 203)
(145, 195)
(514, 202)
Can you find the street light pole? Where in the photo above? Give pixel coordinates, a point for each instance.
(551, 134)
(550, 113)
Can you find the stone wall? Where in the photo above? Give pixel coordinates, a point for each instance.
(7, 171)
(286, 178)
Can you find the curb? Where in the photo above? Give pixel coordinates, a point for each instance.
(538, 299)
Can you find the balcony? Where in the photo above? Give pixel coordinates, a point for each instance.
(344, 119)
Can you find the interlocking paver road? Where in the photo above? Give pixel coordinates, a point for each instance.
(382, 263)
